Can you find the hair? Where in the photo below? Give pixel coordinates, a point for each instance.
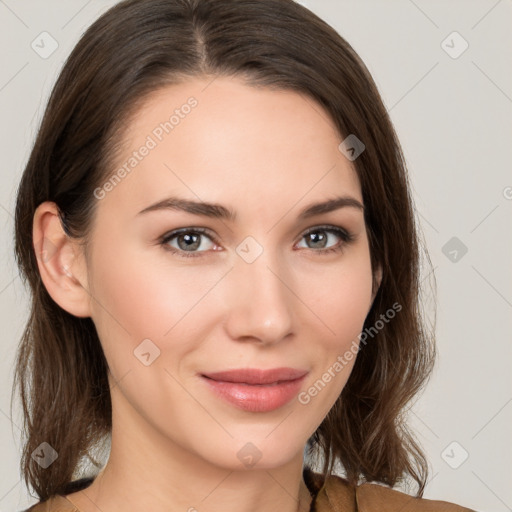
(134, 49)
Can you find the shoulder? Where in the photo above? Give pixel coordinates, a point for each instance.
(54, 504)
(59, 503)
(337, 495)
(384, 499)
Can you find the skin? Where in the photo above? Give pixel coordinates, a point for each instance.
(267, 155)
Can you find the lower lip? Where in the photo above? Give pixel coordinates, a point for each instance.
(256, 398)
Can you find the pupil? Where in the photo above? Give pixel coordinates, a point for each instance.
(316, 237)
(189, 238)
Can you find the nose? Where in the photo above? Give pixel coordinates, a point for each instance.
(259, 301)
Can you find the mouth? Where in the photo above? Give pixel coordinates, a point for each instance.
(256, 376)
(256, 390)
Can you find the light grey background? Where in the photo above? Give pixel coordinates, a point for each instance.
(453, 117)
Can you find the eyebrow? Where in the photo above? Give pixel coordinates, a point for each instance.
(219, 211)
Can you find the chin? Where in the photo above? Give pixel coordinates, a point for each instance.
(254, 452)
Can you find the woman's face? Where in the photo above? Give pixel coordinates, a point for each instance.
(254, 291)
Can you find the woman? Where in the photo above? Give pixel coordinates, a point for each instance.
(216, 226)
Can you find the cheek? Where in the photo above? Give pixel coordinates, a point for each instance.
(342, 295)
(343, 306)
(137, 296)
(135, 302)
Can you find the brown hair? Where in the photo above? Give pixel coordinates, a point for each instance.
(135, 48)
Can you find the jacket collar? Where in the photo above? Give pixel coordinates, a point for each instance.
(332, 495)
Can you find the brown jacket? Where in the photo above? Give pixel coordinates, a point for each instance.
(335, 496)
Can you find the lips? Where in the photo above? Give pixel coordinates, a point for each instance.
(257, 376)
(256, 390)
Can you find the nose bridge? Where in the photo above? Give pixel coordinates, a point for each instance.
(260, 305)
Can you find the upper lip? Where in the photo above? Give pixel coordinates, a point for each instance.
(256, 376)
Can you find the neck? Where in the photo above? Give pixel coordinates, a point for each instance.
(131, 488)
(146, 471)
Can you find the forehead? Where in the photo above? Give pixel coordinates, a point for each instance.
(232, 143)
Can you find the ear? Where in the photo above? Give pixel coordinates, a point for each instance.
(60, 260)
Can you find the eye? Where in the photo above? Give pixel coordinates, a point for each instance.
(188, 240)
(320, 235)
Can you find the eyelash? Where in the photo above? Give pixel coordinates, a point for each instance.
(347, 238)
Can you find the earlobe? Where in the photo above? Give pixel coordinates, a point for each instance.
(59, 260)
